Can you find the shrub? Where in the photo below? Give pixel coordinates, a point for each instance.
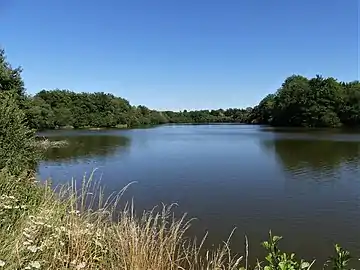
(18, 151)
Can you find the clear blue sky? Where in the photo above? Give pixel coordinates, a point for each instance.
(179, 54)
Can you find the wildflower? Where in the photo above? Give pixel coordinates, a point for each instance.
(2, 263)
(35, 264)
(33, 249)
(76, 212)
(81, 265)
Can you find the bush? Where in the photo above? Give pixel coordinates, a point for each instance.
(18, 151)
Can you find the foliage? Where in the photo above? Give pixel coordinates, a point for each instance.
(276, 260)
(50, 109)
(303, 102)
(17, 143)
(341, 259)
(10, 79)
(18, 151)
(64, 230)
(315, 102)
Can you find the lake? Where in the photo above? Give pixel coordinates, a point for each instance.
(301, 184)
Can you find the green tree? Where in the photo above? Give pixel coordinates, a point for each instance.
(18, 151)
(10, 78)
(39, 114)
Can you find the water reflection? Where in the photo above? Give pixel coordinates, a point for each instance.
(86, 146)
(315, 155)
(301, 184)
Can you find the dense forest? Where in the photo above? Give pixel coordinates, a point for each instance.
(314, 102)
(63, 108)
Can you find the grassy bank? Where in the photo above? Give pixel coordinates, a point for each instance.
(45, 229)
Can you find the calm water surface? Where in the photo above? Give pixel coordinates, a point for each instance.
(304, 185)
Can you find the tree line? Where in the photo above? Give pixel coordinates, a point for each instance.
(50, 109)
(314, 102)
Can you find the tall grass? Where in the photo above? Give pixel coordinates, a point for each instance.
(40, 228)
(76, 227)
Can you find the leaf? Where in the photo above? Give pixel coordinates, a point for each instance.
(277, 238)
(282, 265)
(304, 265)
(266, 244)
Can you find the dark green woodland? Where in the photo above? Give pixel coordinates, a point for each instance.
(299, 102)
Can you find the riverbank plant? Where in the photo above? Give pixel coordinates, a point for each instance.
(18, 152)
(72, 227)
(40, 228)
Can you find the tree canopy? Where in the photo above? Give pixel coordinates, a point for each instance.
(303, 102)
(300, 101)
(314, 102)
(18, 152)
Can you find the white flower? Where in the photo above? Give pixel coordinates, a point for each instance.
(35, 264)
(76, 212)
(2, 263)
(33, 249)
(81, 265)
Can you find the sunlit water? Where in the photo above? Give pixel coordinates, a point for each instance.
(304, 185)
